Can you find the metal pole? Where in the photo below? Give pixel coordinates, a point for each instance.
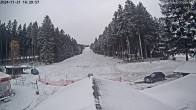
(66, 79)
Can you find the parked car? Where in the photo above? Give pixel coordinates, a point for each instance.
(34, 71)
(156, 76)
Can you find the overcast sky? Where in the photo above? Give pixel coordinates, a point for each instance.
(82, 19)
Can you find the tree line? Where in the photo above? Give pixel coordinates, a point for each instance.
(134, 34)
(43, 43)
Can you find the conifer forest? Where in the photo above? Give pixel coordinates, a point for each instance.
(134, 34)
(45, 43)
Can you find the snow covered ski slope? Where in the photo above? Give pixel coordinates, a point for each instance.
(105, 67)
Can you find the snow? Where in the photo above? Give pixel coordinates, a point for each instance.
(77, 96)
(137, 71)
(182, 57)
(21, 66)
(120, 96)
(187, 67)
(3, 75)
(79, 67)
(23, 98)
(178, 94)
(25, 93)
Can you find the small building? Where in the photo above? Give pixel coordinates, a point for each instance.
(5, 86)
(15, 71)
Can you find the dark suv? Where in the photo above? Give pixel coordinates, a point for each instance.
(156, 76)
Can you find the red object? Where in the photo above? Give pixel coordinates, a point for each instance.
(4, 79)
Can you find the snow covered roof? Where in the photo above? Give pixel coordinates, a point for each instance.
(120, 96)
(114, 96)
(76, 96)
(187, 67)
(21, 66)
(179, 94)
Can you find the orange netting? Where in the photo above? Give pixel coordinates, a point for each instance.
(119, 79)
(57, 83)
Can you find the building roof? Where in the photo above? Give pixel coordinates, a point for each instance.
(187, 67)
(22, 67)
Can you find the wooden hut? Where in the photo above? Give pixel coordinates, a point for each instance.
(15, 71)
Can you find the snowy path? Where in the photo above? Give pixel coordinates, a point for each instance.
(79, 66)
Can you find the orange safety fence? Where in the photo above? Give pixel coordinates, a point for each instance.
(119, 79)
(57, 83)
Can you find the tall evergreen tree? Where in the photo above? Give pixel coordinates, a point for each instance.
(23, 41)
(14, 30)
(34, 37)
(46, 41)
(180, 21)
(129, 30)
(143, 27)
(19, 34)
(29, 40)
(59, 46)
(8, 38)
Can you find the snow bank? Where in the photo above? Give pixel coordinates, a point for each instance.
(120, 96)
(76, 96)
(187, 67)
(179, 94)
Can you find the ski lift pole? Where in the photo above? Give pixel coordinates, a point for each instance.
(45, 79)
(66, 79)
(37, 91)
